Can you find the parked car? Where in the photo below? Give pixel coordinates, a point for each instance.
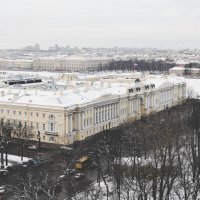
(3, 172)
(66, 150)
(37, 162)
(2, 189)
(62, 178)
(33, 147)
(79, 176)
(70, 171)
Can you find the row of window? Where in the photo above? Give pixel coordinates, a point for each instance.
(51, 125)
(102, 116)
(88, 122)
(20, 113)
(166, 96)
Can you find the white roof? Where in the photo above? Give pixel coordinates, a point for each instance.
(75, 93)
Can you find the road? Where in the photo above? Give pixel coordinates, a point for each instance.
(54, 170)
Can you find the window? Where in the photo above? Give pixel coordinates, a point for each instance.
(25, 124)
(20, 123)
(37, 114)
(19, 113)
(31, 114)
(96, 117)
(31, 124)
(43, 115)
(51, 123)
(51, 139)
(43, 137)
(8, 112)
(52, 127)
(37, 125)
(43, 127)
(25, 113)
(14, 112)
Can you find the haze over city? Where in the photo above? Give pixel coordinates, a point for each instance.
(127, 23)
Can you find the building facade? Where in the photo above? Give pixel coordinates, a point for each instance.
(68, 64)
(60, 123)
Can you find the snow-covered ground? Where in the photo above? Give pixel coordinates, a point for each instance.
(14, 160)
(193, 84)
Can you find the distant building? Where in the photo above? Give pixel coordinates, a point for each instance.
(180, 71)
(177, 71)
(68, 64)
(16, 64)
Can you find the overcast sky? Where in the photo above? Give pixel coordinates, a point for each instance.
(100, 23)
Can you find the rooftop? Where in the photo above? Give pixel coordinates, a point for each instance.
(61, 93)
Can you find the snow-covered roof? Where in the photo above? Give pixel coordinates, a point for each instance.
(82, 91)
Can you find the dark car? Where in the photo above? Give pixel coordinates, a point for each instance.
(37, 162)
(67, 151)
(3, 172)
(70, 171)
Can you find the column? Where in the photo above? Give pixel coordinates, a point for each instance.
(67, 123)
(95, 116)
(107, 111)
(100, 114)
(79, 121)
(82, 120)
(112, 110)
(70, 123)
(153, 97)
(104, 113)
(115, 109)
(75, 121)
(131, 106)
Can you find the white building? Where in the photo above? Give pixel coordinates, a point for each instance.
(83, 108)
(68, 64)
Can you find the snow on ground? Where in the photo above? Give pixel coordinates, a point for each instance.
(193, 84)
(14, 160)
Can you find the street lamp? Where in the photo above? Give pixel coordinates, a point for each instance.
(38, 136)
(2, 160)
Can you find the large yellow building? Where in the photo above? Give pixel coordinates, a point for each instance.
(83, 108)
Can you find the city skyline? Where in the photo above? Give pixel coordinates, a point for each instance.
(129, 23)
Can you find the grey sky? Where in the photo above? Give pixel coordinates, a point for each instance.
(100, 23)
